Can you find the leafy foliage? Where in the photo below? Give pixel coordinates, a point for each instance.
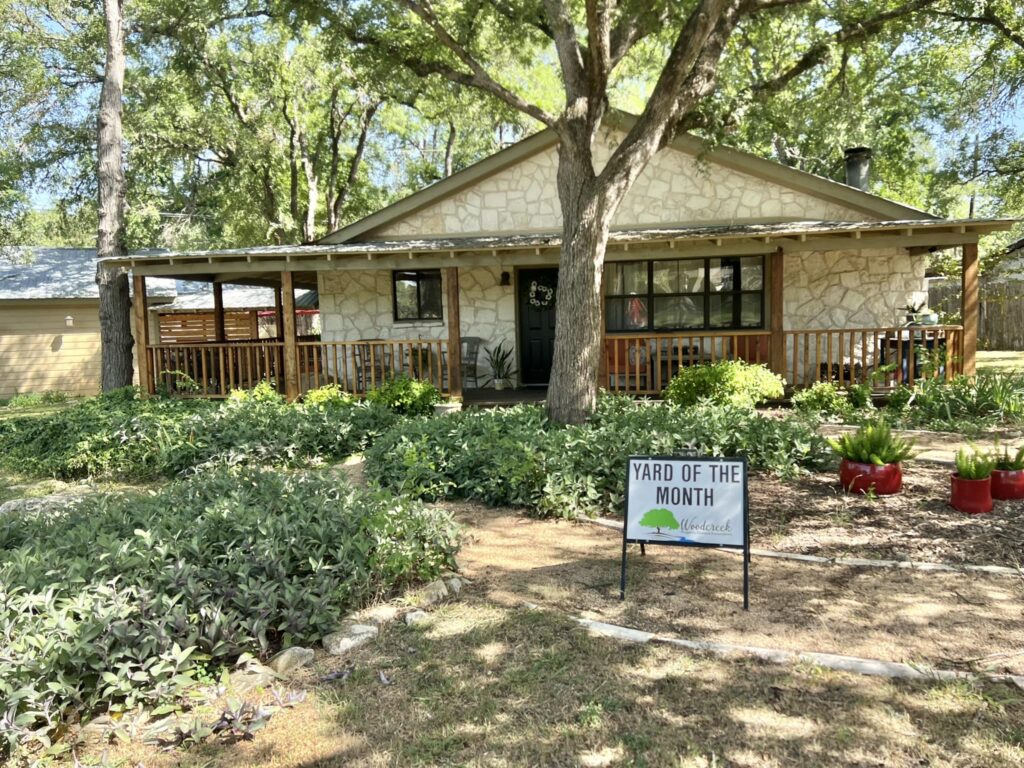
(409, 397)
(732, 382)
(516, 457)
(1010, 463)
(968, 402)
(972, 463)
(230, 561)
(822, 399)
(873, 444)
(120, 434)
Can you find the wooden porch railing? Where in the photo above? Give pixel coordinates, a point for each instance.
(643, 364)
(358, 366)
(866, 355)
(214, 369)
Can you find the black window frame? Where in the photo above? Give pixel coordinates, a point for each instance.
(419, 274)
(705, 294)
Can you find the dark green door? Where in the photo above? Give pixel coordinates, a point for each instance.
(537, 295)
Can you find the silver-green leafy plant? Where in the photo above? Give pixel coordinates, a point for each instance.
(973, 463)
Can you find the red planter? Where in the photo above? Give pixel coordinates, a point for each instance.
(1008, 484)
(884, 479)
(971, 496)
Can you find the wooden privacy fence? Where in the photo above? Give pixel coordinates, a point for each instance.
(214, 369)
(1000, 310)
(643, 364)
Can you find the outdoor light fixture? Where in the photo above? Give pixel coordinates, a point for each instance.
(506, 279)
(69, 321)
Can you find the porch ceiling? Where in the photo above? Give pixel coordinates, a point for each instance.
(263, 264)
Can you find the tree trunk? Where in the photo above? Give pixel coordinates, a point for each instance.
(115, 303)
(587, 211)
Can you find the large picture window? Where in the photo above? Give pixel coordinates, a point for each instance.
(417, 294)
(685, 294)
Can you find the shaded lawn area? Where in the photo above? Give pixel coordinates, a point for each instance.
(483, 685)
(1000, 360)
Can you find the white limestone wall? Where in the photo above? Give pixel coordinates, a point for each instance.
(675, 188)
(851, 289)
(358, 305)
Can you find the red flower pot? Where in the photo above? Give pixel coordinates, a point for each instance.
(1008, 483)
(884, 479)
(971, 496)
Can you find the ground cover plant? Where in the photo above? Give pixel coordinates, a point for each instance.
(122, 600)
(515, 457)
(123, 435)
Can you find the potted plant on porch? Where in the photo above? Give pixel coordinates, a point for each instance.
(972, 481)
(1008, 476)
(871, 459)
(499, 359)
(920, 314)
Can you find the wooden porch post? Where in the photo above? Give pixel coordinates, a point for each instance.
(969, 307)
(218, 312)
(776, 319)
(291, 358)
(278, 313)
(451, 275)
(141, 303)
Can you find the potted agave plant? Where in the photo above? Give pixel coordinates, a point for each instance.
(872, 458)
(499, 359)
(972, 481)
(1008, 476)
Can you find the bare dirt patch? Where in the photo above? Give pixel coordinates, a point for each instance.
(949, 620)
(814, 516)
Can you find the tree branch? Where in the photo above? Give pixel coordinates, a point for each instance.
(989, 19)
(570, 57)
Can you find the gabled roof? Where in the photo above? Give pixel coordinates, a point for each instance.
(734, 159)
(58, 273)
(235, 297)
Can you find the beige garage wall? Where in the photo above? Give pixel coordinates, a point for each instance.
(39, 353)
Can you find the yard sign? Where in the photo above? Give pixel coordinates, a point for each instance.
(691, 502)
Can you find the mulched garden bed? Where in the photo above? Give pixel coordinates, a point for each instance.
(814, 516)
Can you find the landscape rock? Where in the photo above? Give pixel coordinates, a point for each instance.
(348, 638)
(39, 506)
(253, 675)
(415, 617)
(434, 592)
(291, 659)
(455, 586)
(379, 614)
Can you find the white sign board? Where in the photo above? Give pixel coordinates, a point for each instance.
(693, 501)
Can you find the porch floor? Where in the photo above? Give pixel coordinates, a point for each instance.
(492, 398)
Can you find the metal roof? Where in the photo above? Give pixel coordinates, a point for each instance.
(58, 273)
(793, 231)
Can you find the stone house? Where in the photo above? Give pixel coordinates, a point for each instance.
(714, 254)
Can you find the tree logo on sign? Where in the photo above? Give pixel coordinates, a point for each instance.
(660, 518)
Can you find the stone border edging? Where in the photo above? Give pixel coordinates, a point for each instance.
(854, 664)
(857, 562)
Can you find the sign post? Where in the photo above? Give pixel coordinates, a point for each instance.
(687, 502)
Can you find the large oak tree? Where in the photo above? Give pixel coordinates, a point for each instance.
(471, 43)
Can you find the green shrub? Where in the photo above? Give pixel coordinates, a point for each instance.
(873, 444)
(899, 400)
(409, 397)
(329, 395)
(974, 464)
(129, 437)
(822, 399)
(36, 399)
(968, 403)
(112, 603)
(515, 457)
(860, 396)
(729, 382)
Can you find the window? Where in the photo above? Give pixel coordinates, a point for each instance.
(417, 294)
(685, 294)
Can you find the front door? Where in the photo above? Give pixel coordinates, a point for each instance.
(537, 289)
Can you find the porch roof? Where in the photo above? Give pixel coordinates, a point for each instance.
(918, 234)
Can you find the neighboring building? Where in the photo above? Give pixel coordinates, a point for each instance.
(49, 320)
(714, 253)
(249, 313)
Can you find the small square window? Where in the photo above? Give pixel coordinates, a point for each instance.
(417, 294)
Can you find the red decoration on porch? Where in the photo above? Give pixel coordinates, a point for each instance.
(883, 479)
(1008, 484)
(971, 496)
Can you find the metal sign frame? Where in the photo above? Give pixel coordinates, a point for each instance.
(745, 548)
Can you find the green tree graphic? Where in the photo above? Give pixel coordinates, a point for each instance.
(659, 518)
